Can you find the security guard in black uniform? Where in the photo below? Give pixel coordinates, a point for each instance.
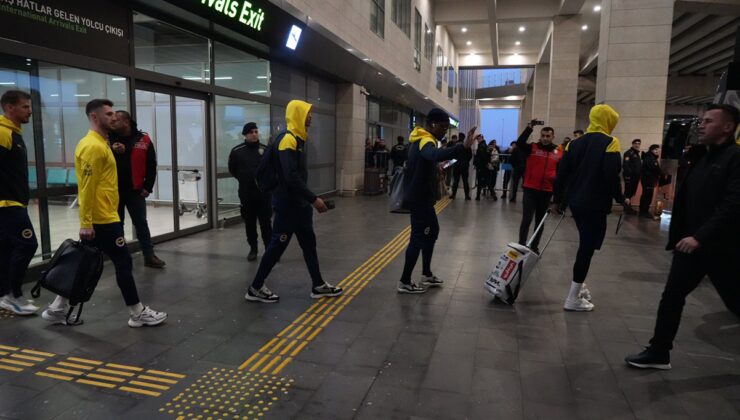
(17, 238)
(255, 204)
(631, 165)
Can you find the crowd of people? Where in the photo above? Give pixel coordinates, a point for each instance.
(115, 165)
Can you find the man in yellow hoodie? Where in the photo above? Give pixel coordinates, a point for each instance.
(588, 181)
(100, 225)
(17, 238)
(292, 202)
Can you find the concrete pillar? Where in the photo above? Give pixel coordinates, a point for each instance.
(351, 131)
(541, 90)
(525, 112)
(632, 77)
(564, 67)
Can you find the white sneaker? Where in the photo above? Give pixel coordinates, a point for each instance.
(585, 293)
(578, 305)
(18, 306)
(411, 288)
(148, 317)
(59, 316)
(431, 281)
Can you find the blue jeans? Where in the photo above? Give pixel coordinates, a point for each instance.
(17, 245)
(136, 205)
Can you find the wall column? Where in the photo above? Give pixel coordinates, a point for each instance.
(634, 50)
(351, 131)
(541, 90)
(564, 68)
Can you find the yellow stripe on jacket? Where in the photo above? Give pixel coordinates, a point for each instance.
(97, 181)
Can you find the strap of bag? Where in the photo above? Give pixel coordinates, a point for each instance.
(562, 217)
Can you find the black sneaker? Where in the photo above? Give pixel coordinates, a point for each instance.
(252, 254)
(326, 290)
(650, 359)
(264, 295)
(411, 288)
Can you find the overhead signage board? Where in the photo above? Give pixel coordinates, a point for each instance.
(97, 29)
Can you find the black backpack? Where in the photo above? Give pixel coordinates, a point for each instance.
(73, 273)
(268, 172)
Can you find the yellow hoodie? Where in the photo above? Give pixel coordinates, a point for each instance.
(422, 135)
(97, 181)
(295, 116)
(603, 120)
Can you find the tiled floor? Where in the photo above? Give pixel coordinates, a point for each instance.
(450, 354)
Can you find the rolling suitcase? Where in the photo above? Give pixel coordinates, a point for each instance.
(73, 273)
(515, 265)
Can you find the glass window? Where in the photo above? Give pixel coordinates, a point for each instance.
(242, 71)
(166, 49)
(11, 79)
(287, 83)
(417, 39)
(321, 94)
(401, 15)
(377, 17)
(231, 115)
(428, 42)
(321, 155)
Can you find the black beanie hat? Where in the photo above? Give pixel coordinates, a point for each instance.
(249, 127)
(437, 115)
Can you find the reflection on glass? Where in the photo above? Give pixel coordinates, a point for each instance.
(191, 157)
(231, 115)
(228, 196)
(242, 71)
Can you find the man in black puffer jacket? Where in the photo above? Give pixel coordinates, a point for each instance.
(421, 192)
(649, 176)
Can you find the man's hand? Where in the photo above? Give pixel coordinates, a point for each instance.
(555, 208)
(471, 133)
(687, 245)
(627, 202)
(118, 148)
(320, 206)
(145, 193)
(468, 143)
(87, 234)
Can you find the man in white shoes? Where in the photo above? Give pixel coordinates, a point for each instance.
(589, 175)
(17, 238)
(100, 225)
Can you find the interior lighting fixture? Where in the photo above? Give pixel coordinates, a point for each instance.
(118, 79)
(472, 54)
(82, 95)
(584, 27)
(469, 43)
(7, 83)
(518, 43)
(429, 31)
(597, 8)
(522, 29)
(262, 77)
(255, 92)
(516, 54)
(464, 29)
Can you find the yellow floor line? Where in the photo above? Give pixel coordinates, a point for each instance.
(140, 391)
(105, 377)
(55, 376)
(256, 365)
(124, 367)
(87, 361)
(24, 357)
(11, 368)
(38, 353)
(281, 366)
(148, 385)
(269, 365)
(8, 348)
(67, 371)
(163, 373)
(17, 362)
(288, 347)
(155, 379)
(115, 372)
(96, 383)
(75, 365)
(277, 346)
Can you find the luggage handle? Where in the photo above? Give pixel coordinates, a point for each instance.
(542, 226)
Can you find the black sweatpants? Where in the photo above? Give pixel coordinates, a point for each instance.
(516, 178)
(591, 233)
(460, 173)
(630, 186)
(18, 244)
(109, 239)
(687, 271)
(254, 209)
(289, 221)
(646, 199)
(424, 234)
(535, 205)
(482, 178)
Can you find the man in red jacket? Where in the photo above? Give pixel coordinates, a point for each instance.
(136, 164)
(539, 176)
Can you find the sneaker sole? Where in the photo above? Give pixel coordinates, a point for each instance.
(411, 292)
(11, 308)
(249, 298)
(428, 284)
(63, 321)
(133, 324)
(578, 309)
(319, 296)
(660, 366)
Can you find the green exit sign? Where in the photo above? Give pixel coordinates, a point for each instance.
(242, 11)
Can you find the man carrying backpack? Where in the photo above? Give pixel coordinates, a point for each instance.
(100, 224)
(292, 201)
(244, 160)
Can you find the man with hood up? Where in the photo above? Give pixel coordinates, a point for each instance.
(588, 175)
(420, 186)
(292, 201)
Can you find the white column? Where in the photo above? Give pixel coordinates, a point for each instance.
(632, 77)
(351, 130)
(541, 90)
(564, 68)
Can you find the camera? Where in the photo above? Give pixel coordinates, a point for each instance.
(536, 122)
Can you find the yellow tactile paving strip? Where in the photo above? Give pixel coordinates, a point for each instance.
(4, 314)
(282, 349)
(15, 359)
(131, 379)
(228, 393)
(278, 352)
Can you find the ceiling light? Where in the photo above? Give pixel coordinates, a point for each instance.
(118, 79)
(262, 77)
(404, 84)
(256, 92)
(518, 43)
(429, 31)
(82, 95)
(350, 49)
(7, 83)
(597, 8)
(584, 27)
(516, 54)
(522, 29)
(472, 54)
(464, 29)
(469, 43)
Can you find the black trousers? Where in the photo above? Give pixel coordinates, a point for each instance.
(492, 178)
(482, 178)
(516, 178)
(507, 178)
(289, 221)
(687, 271)
(591, 233)
(109, 239)
(256, 209)
(646, 198)
(630, 186)
(460, 173)
(18, 244)
(136, 205)
(424, 234)
(535, 205)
